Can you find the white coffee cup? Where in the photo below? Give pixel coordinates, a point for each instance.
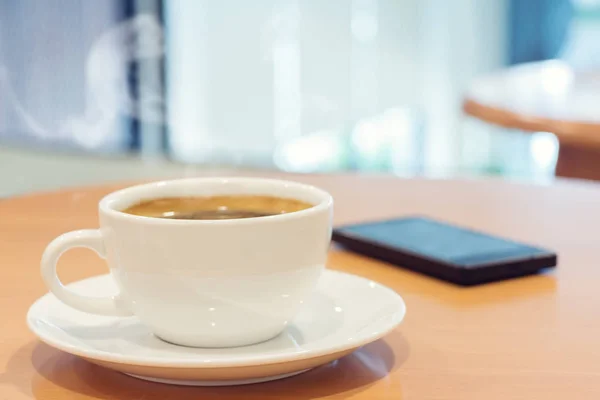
(204, 283)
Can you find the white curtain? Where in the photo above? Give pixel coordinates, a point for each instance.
(245, 77)
(249, 81)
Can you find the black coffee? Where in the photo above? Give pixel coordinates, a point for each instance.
(216, 207)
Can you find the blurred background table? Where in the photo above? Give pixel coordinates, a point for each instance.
(529, 338)
(546, 97)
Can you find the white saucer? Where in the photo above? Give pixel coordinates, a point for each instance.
(344, 313)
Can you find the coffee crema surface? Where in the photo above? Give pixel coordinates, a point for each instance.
(216, 207)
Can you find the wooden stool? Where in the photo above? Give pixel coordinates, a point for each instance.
(549, 97)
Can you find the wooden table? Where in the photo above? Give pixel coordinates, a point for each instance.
(549, 97)
(529, 338)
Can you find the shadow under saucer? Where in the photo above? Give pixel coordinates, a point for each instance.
(355, 372)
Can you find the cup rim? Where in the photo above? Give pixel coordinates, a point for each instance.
(106, 204)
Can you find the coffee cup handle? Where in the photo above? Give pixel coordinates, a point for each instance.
(91, 239)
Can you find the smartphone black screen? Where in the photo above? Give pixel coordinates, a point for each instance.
(449, 252)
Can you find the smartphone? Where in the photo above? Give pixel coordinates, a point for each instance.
(454, 254)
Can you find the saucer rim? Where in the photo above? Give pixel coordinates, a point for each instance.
(271, 359)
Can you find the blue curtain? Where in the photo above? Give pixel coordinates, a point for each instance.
(538, 29)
